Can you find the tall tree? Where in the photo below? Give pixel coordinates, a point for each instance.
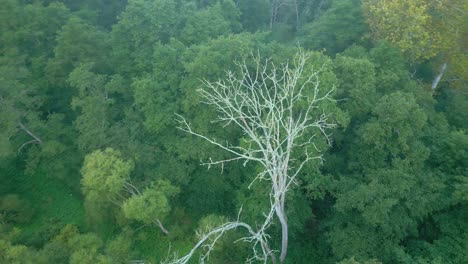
(388, 179)
(331, 31)
(424, 30)
(132, 42)
(105, 175)
(99, 104)
(151, 205)
(219, 19)
(276, 108)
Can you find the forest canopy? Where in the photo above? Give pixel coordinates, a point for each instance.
(269, 131)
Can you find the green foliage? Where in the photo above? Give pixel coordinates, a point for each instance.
(14, 210)
(156, 95)
(104, 175)
(31, 28)
(19, 103)
(255, 14)
(210, 23)
(354, 261)
(139, 29)
(53, 252)
(15, 254)
(101, 12)
(336, 29)
(81, 79)
(152, 204)
(423, 30)
(225, 250)
(218, 198)
(391, 135)
(357, 87)
(389, 189)
(454, 103)
(119, 249)
(77, 42)
(52, 203)
(96, 102)
(86, 249)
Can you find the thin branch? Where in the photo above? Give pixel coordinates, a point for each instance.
(163, 229)
(267, 104)
(36, 138)
(27, 143)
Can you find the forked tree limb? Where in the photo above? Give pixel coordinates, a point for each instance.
(277, 108)
(25, 129)
(35, 140)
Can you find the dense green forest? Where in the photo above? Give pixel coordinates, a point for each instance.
(143, 131)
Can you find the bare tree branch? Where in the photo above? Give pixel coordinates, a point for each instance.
(36, 139)
(163, 229)
(23, 127)
(27, 143)
(277, 109)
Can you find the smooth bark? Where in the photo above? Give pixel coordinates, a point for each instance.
(439, 76)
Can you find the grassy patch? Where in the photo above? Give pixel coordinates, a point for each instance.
(54, 205)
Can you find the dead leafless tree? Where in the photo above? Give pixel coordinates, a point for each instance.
(276, 5)
(279, 111)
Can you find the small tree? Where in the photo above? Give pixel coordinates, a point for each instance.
(151, 205)
(280, 111)
(106, 179)
(105, 174)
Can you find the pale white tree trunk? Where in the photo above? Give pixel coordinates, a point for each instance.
(296, 9)
(274, 12)
(284, 232)
(439, 76)
(163, 229)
